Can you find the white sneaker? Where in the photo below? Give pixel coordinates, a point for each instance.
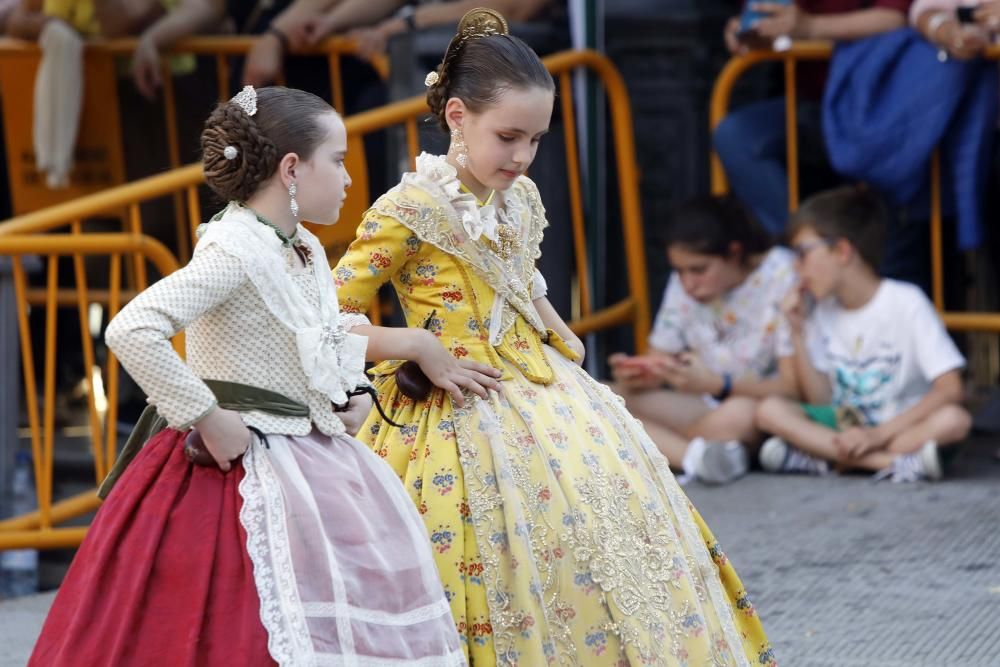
(715, 462)
(924, 464)
(776, 455)
(723, 462)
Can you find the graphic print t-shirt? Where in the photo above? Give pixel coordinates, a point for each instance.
(881, 358)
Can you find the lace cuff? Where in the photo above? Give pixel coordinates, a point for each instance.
(351, 320)
(539, 287)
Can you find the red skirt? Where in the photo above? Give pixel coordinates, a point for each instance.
(163, 576)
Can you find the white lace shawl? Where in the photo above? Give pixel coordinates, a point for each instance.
(332, 359)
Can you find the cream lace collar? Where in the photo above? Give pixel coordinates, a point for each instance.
(439, 178)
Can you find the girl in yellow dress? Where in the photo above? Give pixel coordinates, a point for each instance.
(560, 534)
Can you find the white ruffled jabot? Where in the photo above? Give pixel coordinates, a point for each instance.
(436, 176)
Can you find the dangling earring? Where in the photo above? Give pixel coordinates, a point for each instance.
(294, 205)
(458, 146)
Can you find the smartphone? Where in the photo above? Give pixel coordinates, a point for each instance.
(808, 302)
(749, 17)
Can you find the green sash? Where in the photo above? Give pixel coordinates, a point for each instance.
(230, 396)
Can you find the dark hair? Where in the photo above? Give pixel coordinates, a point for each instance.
(479, 69)
(852, 212)
(709, 225)
(286, 122)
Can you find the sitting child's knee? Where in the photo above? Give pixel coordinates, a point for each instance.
(956, 421)
(770, 410)
(741, 407)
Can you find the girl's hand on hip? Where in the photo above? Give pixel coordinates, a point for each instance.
(225, 435)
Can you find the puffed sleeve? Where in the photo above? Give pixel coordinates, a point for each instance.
(381, 248)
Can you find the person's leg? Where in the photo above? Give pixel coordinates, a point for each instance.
(665, 415)
(948, 425)
(670, 444)
(789, 421)
(715, 456)
(751, 144)
(672, 409)
(734, 419)
(712, 444)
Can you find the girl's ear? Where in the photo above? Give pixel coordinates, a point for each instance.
(287, 167)
(454, 113)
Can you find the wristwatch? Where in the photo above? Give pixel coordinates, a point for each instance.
(727, 388)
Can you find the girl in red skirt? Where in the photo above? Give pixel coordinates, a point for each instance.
(295, 545)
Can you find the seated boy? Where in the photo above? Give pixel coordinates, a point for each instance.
(872, 348)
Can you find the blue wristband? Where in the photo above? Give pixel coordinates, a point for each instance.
(727, 387)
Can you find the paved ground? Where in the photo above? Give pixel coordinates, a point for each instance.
(845, 572)
(20, 622)
(848, 573)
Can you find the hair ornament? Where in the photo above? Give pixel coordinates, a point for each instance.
(481, 22)
(247, 99)
(230, 152)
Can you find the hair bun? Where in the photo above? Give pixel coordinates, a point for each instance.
(237, 157)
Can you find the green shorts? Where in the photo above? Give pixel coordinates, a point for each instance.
(824, 415)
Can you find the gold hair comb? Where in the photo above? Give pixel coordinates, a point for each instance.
(481, 22)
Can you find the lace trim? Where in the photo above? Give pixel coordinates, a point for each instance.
(539, 287)
(351, 320)
(441, 226)
(263, 518)
(682, 511)
(414, 616)
(505, 618)
(434, 172)
(636, 561)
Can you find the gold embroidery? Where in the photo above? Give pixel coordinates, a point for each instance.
(619, 530)
(506, 243)
(485, 503)
(636, 559)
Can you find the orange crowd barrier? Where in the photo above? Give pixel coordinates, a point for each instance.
(99, 158)
(39, 529)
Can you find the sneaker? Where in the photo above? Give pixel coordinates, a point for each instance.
(776, 455)
(715, 462)
(924, 464)
(723, 462)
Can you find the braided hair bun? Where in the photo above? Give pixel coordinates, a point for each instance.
(241, 152)
(230, 129)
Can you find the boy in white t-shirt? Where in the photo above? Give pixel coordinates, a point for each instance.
(880, 375)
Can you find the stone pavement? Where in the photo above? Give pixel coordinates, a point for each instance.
(844, 572)
(20, 622)
(848, 573)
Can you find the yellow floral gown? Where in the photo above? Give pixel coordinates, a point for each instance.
(559, 531)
